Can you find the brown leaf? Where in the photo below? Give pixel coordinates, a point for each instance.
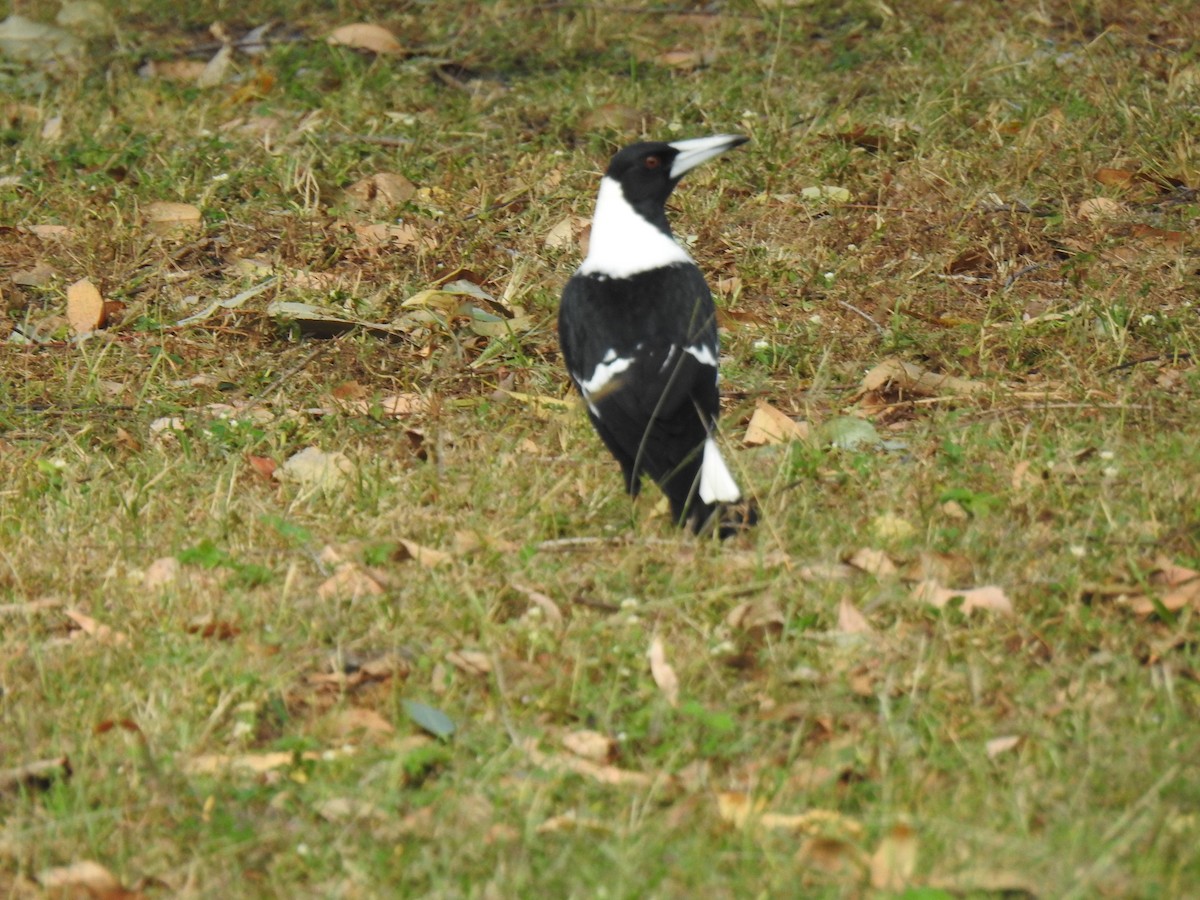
(590, 745)
(349, 580)
(999, 745)
(762, 615)
(473, 662)
(383, 189)
(357, 724)
(1172, 240)
(873, 562)
(257, 763)
(424, 556)
(548, 607)
(605, 774)
(85, 879)
(85, 307)
(898, 375)
(365, 36)
(568, 234)
(571, 821)
(173, 220)
(895, 859)
(990, 597)
(851, 621)
(738, 809)
(263, 466)
(94, 629)
(1099, 208)
(664, 675)
(769, 425)
(1120, 178)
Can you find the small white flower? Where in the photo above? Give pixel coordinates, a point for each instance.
(1077, 550)
(1107, 455)
(761, 344)
(629, 603)
(221, 176)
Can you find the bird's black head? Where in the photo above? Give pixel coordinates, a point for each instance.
(648, 171)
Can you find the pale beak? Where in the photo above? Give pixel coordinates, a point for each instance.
(695, 151)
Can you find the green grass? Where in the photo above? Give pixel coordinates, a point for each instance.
(967, 137)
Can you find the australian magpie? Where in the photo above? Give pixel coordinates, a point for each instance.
(639, 336)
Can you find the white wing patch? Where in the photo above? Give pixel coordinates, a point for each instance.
(704, 354)
(622, 242)
(716, 481)
(605, 372)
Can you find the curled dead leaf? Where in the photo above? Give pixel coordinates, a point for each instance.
(664, 675)
(175, 220)
(473, 662)
(898, 375)
(365, 36)
(590, 745)
(769, 425)
(85, 307)
(895, 859)
(991, 597)
(873, 562)
(759, 616)
(851, 621)
(1099, 208)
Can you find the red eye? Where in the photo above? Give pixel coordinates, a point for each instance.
(653, 162)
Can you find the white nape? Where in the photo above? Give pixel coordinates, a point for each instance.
(703, 354)
(716, 481)
(623, 243)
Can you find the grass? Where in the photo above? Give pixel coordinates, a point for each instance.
(967, 138)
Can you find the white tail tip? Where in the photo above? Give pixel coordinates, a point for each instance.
(716, 482)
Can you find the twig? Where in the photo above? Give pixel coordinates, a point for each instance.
(1129, 364)
(855, 309)
(287, 373)
(1024, 270)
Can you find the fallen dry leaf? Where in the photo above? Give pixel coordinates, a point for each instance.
(424, 556)
(567, 234)
(769, 425)
(85, 307)
(540, 601)
(605, 774)
(899, 375)
(349, 809)
(257, 763)
(357, 724)
(873, 562)
(264, 467)
(162, 572)
(590, 745)
(175, 220)
(851, 621)
(473, 662)
(833, 857)
(990, 598)
(94, 629)
(738, 808)
(572, 822)
(895, 859)
(315, 468)
(1121, 178)
(385, 189)
(350, 581)
(760, 616)
(85, 879)
(1099, 208)
(999, 745)
(664, 674)
(365, 36)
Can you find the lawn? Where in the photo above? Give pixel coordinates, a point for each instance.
(315, 581)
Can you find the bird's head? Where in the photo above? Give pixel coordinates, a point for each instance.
(648, 171)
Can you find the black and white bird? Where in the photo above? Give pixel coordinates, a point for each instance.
(639, 336)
